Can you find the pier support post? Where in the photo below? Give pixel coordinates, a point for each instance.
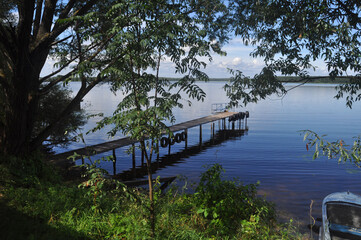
(186, 140)
(200, 135)
(114, 162)
(169, 144)
(157, 147)
(133, 158)
(214, 132)
(232, 125)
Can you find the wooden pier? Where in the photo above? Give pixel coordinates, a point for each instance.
(62, 158)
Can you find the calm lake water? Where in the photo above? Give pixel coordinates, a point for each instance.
(273, 151)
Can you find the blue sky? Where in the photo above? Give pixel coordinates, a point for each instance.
(237, 58)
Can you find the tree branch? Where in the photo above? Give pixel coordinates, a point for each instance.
(39, 7)
(59, 28)
(63, 14)
(8, 39)
(349, 13)
(26, 12)
(76, 100)
(50, 85)
(47, 88)
(43, 79)
(46, 40)
(4, 38)
(48, 16)
(60, 41)
(303, 81)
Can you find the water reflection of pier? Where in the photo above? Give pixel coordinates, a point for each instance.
(181, 156)
(236, 126)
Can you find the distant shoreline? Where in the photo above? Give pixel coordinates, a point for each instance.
(289, 79)
(283, 79)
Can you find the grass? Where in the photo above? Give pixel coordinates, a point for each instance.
(37, 204)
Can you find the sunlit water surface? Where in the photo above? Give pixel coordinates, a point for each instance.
(273, 151)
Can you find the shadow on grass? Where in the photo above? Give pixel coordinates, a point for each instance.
(16, 225)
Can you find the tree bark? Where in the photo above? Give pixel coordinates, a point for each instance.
(26, 46)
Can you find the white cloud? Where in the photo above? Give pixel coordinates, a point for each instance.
(218, 68)
(236, 61)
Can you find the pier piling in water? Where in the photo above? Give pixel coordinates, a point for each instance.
(113, 145)
(200, 135)
(114, 162)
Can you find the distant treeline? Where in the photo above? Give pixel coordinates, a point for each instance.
(314, 79)
(292, 79)
(285, 79)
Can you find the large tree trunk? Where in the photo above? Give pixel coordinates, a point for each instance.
(23, 52)
(22, 104)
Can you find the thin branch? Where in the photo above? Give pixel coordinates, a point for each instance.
(303, 82)
(43, 79)
(63, 14)
(99, 78)
(60, 79)
(76, 100)
(59, 28)
(349, 11)
(101, 46)
(47, 88)
(60, 41)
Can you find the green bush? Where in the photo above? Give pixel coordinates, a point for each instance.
(101, 208)
(226, 204)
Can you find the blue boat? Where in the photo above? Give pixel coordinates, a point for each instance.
(341, 217)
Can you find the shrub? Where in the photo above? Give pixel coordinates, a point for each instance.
(218, 209)
(228, 204)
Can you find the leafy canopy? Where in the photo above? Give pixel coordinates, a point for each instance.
(292, 35)
(182, 32)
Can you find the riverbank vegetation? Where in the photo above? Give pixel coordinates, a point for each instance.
(35, 203)
(124, 43)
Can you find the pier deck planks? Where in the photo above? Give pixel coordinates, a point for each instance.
(107, 146)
